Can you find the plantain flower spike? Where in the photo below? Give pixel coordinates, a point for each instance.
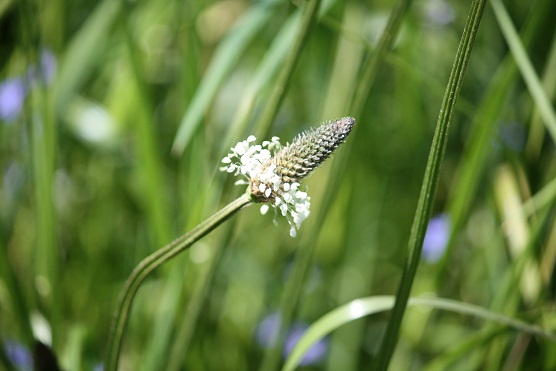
(274, 172)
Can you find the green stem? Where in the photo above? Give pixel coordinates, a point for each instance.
(308, 18)
(152, 262)
(430, 182)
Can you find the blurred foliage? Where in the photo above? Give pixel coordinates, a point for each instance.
(95, 98)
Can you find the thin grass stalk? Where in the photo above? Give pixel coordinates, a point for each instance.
(150, 263)
(225, 58)
(182, 340)
(284, 78)
(465, 349)
(361, 92)
(181, 333)
(346, 342)
(151, 165)
(304, 258)
(47, 253)
(266, 71)
(174, 294)
(530, 77)
(292, 292)
(43, 139)
(84, 51)
(507, 298)
(302, 263)
(151, 172)
(375, 60)
(16, 292)
(537, 131)
(272, 356)
(506, 301)
(430, 183)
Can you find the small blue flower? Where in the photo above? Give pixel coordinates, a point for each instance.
(267, 334)
(12, 97)
(13, 91)
(19, 355)
(436, 238)
(314, 355)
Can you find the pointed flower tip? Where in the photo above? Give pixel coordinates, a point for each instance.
(311, 148)
(274, 178)
(346, 123)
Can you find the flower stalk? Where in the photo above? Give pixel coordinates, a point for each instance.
(271, 180)
(152, 262)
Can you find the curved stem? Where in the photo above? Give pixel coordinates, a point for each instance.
(152, 262)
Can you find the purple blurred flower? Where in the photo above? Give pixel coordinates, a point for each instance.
(267, 334)
(45, 71)
(13, 91)
(436, 238)
(19, 355)
(315, 354)
(12, 96)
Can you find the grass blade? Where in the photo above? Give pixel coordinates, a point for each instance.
(525, 67)
(430, 183)
(307, 20)
(224, 60)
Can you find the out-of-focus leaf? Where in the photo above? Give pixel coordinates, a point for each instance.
(225, 58)
(371, 305)
(82, 54)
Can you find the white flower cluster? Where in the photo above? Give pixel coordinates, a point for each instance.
(248, 159)
(254, 162)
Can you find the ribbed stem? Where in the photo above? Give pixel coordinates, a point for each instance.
(430, 183)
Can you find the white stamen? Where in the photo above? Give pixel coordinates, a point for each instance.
(253, 162)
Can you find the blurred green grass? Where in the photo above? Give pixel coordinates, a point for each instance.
(93, 180)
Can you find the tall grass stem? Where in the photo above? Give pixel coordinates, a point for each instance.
(430, 183)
